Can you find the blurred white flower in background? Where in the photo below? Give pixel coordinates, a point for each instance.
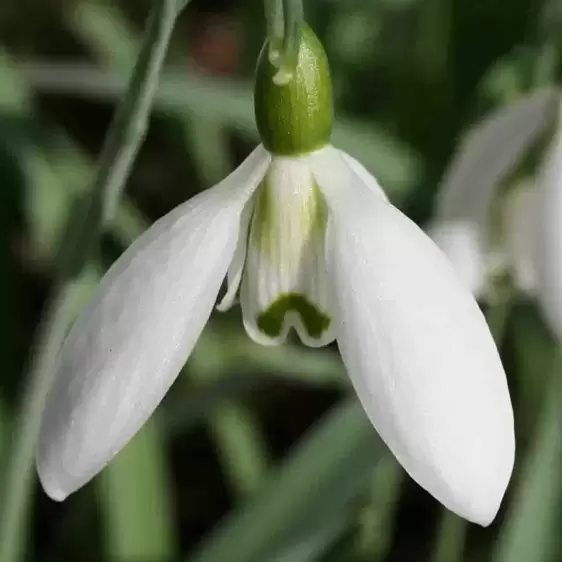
(486, 229)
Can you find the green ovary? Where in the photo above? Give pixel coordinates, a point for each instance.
(270, 321)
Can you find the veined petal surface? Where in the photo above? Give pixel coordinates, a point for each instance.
(417, 349)
(284, 283)
(129, 344)
(548, 249)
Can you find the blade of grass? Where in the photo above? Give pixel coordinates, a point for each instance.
(240, 446)
(331, 465)
(533, 351)
(136, 500)
(4, 432)
(122, 143)
(451, 539)
(314, 546)
(377, 519)
(533, 521)
(102, 27)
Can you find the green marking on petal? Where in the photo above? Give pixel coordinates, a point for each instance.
(264, 219)
(319, 212)
(265, 226)
(270, 322)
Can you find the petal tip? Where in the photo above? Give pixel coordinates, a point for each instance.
(50, 483)
(478, 498)
(482, 512)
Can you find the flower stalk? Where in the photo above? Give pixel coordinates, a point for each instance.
(284, 19)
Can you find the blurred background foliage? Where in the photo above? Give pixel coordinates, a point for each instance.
(260, 455)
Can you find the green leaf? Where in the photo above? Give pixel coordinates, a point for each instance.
(4, 432)
(314, 546)
(534, 350)
(533, 522)
(104, 29)
(14, 95)
(47, 204)
(331, 466)
(378, 518)
(451, 538)
(240, 446)
(135, 500)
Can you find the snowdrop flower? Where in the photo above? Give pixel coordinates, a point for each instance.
(530, 236)
(308, 239)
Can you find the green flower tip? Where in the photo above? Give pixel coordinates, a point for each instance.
(294, 116)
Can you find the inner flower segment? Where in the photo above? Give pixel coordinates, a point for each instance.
(284, 281)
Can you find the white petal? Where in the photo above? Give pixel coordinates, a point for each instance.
(548, 249)
(489, 152)
(418, 350)
(129, 344)
(462, 243)
(364, 175)
(236, 268)
(521, 223)
(284, 282)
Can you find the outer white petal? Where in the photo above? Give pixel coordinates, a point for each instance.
(418, 350)
(129, 344)
(521, 228)
(489, 153)
(548, 250)
(284, 284)
(462, 243)
(364, 175)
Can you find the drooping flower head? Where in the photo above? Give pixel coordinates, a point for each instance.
(308, 241)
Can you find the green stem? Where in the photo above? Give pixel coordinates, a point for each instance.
(123, 141)
(284, 19)
(275, 25)
(293, 20)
